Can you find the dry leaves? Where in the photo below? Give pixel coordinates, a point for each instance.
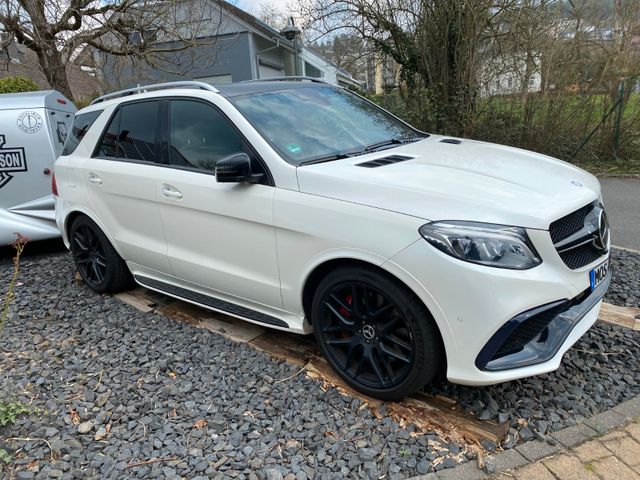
(200, 423)
(75, 418)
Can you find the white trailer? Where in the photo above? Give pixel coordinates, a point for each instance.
(33, 129)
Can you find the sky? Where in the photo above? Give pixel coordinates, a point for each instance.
(252, 5)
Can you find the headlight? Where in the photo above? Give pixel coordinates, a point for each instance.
(484, 243)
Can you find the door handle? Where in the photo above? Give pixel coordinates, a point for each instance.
(95, 179)
(170, 191)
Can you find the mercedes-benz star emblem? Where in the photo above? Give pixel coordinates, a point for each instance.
(601, 242)
(368, 332)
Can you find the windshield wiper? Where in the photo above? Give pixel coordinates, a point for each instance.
(392, 141)
(326, 158)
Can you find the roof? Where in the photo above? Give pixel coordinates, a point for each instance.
(254, 22)
(230, 90)
(23, 62)
(42, 99)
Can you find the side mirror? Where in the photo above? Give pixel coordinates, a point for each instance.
(236, 168)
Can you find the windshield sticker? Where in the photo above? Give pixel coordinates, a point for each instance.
(12, 160)
(29, 122)
(294, 148)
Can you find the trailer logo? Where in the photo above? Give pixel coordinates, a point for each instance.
(29, 122)
(12, 160)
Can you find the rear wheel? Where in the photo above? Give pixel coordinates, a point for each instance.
(99, 264)
(375, 333)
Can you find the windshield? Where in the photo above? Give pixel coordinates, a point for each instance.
(306, 125)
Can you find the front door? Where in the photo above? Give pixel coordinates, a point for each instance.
(219, 235)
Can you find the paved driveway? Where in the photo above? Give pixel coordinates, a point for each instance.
(622, 199)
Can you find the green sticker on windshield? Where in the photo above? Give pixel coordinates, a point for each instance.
(294, 148)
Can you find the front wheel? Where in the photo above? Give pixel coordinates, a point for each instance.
(375, 333)
(99, 264)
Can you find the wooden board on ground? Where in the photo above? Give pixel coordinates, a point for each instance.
(624, 316)
(428, 413)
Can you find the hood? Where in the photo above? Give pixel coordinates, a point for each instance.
(469, 180)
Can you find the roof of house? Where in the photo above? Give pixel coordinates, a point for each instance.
(18, 61)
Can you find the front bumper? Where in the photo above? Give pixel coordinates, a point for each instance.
(536, 336)
(472, 303)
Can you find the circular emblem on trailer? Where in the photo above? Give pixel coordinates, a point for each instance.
(601, 242)
(29, 122)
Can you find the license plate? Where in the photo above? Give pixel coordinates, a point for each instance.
(598, 274)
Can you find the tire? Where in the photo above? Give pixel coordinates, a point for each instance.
(375, 333)
(100, 266)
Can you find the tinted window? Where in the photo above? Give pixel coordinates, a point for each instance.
(199, 135)
(315, 122)
(81, 125)
(132, 133)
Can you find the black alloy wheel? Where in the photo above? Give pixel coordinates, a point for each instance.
(375, 333)
(97, 261)
(90, 256)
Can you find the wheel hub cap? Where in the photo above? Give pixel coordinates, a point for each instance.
(368, 332)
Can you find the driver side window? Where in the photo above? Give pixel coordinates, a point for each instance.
(199, 136)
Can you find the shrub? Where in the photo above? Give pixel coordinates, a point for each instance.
(17, 84)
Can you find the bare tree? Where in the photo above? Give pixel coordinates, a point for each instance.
(436, 43)
(56, 31)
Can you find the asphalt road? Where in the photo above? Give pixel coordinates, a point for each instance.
(622, 201)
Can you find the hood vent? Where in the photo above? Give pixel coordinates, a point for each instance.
(454, 141)
(381, 162)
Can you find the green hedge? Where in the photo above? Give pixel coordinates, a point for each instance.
(17, 84)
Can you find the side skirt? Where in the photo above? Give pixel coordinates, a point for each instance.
(211, 302)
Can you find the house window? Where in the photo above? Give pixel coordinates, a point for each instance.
(311, 71)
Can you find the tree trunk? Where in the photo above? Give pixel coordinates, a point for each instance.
(55, 72)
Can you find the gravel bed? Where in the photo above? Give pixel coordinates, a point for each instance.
(74, 351)
(114, 386)
(625, 287)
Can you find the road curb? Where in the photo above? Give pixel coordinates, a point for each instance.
(534, 450)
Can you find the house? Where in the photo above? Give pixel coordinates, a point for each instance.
(18, 61)
(232, 46)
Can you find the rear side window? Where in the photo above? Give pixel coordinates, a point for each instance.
(81, 125)
(133, 132)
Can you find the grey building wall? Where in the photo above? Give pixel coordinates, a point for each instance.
(223, 55)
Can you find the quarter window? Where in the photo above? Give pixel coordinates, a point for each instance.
(199, 136)
(81, 125)
(133, 132)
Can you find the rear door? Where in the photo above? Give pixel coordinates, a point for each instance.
(122, 181)
(219, 235)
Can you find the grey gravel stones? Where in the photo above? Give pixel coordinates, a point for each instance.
(143, 387)
(625, 287)
(118, 387)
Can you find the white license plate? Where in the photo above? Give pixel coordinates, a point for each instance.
(598, 274)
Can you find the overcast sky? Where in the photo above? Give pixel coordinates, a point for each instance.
(252, 5)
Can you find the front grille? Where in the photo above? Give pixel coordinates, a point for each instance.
(576, 255)
(569, 224)
(527, 331)
(581, 256)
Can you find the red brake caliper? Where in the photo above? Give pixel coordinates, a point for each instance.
(345, 313)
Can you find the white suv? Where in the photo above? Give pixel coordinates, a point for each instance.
(301, 206)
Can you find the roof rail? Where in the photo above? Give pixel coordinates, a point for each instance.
(287, 78)
(156, 86)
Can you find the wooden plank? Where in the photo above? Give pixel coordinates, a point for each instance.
(624, 316)
(139, 302)
(229, 327)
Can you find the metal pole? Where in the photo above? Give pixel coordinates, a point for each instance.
(616, 138)
(295, 55)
